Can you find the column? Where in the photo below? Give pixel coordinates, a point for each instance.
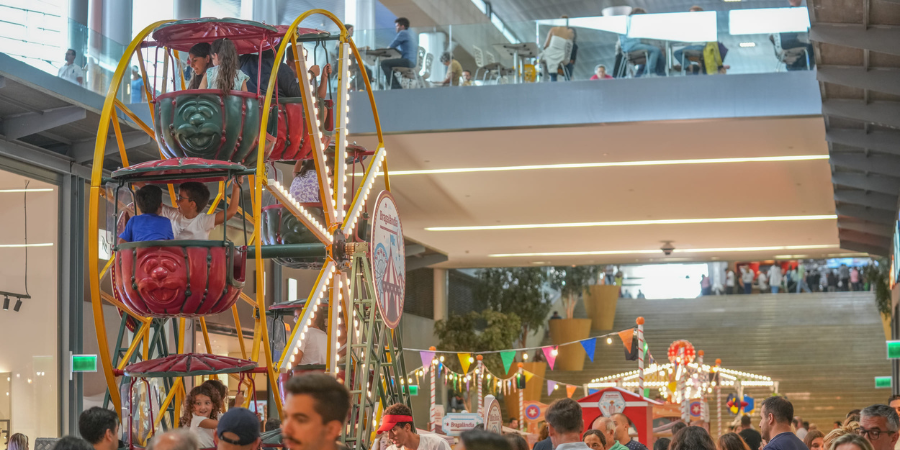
(265, 11)
(361, 14)
(441, 289)
(187, 9)
(78, 29)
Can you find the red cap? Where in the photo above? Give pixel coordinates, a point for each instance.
(391, 420)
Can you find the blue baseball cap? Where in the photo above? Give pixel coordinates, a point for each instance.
(240, 421)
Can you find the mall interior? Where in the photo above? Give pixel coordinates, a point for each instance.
(721, 183)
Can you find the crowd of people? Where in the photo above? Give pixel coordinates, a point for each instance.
(797, 278)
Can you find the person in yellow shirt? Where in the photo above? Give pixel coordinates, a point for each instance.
(454, 73)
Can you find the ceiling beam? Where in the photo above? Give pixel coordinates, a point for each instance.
(878, 183)
(84, 151)
(870, 199)
(414, 249)
(874, 162)
(15, 127)
(865, 227)
(859, 247)
(866, 214)
(886, 113)
(419, 262)
(881, 80)
(879, 39)
(863, 238)
(880, 141)
(2, 82)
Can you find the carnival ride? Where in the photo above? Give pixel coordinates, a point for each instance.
(213, 136)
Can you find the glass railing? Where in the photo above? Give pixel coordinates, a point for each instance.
(681, 44)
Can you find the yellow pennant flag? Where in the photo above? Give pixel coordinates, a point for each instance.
(464, 360)
(528, 375)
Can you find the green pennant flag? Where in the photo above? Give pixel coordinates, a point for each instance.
(508, 358)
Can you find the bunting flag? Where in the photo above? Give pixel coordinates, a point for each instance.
(626, 336)
(427, 358)
(528, 376)
(570, 389)
(508, 358)
(548, 354)
(551, 385)
(439, 367)
(590, 346)
(464, 361)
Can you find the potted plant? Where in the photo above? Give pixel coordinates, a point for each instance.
(600, 302)
(571, 282)
(878, 276)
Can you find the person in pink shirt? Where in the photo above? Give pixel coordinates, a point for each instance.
(854, 280)
(600, 73)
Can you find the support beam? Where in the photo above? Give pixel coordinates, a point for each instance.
(22, 125)
(881, 80)
(870, 182)
(875, 163)
(859, 247)
(414, 249)
(879, 39)
(42, 158)
(886, 113)
(84, 151)
(845, 223)
(415, 262)
(869, 215)
(2, 82)
(879, 141)
(870, 199)
(863, 238)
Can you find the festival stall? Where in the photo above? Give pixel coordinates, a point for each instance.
(614, 400)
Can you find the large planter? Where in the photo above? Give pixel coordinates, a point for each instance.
(600, 302)
(570, 357)
(534, 389)
(886, 324)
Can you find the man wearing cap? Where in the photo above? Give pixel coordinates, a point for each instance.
(315, 411)
(397, 422)
(238, 429)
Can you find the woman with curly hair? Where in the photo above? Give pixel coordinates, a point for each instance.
(200, 412)
(226, 74)
(731, 441)
(847, 428)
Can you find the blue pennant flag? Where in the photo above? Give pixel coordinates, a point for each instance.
(589, 346)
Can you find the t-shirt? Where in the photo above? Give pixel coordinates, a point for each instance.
(786, 441)
(405, 44)
(427, 442)
(751, 437)
(71, 72)
(635, 445)
(801, 433)
(184, 228)
(595, 77)
(147, 227)
(212, 75)
(314, 347)
(137, 88)
(729, 279)
(455, 71)
(204, 435)
(747, 277)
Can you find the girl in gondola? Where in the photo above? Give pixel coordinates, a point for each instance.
(201, 414)
(226, 74)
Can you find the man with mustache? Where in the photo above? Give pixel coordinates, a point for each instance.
(315, 411)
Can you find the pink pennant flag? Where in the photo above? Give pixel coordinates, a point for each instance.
(551, 385)
(427, 358)
(548, 354)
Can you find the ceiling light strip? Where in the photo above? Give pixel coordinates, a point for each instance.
(8, 191)
(688, 250)
(668, 162)
(48, 244)
(638, 222)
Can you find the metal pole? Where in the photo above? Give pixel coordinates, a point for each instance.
(433, 409)
(521, 400)
(479, 373)
(640, 336)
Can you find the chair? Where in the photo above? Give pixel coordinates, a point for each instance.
(788, 56)
(692, 56)
(426, 70)
(487, 67)
(632, 59)
(407, 75)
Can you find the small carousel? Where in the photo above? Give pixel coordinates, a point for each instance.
(680, 389)
(217, 138)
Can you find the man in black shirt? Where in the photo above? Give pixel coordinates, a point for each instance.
(775, 425)
(623, 424)
(751, 436)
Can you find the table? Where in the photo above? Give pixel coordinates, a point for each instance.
(378, 54)
(518, 51)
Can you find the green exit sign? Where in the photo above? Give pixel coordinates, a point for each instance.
(893, 349)
(882, 382)
(84, 363)
(413, 390)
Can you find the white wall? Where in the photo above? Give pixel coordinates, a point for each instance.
(30, 336)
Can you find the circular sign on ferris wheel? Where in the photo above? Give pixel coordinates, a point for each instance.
(388, 259)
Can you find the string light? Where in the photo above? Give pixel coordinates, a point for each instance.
(609, 340)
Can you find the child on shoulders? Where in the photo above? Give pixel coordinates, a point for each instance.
(149, 225)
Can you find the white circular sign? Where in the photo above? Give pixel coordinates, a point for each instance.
(611, 402)
(388, 259)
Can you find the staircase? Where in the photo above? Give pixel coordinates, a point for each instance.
(825, 349)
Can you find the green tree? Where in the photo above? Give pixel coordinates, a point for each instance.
(878, 277)
(516, 290)
(571, 281)
(478, 332)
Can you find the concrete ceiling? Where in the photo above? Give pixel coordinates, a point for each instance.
(748, 189)
(859, 76)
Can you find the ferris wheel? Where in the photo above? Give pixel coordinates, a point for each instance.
(216, 137)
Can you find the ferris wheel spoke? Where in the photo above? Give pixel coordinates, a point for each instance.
(342, 122)
(298, 334)
(301, 213)
(359, 201)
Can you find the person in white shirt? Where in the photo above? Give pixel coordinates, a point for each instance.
(775, 278)
(313, 347)
(70, 71)
(762, 280)
(729, 282)
(747, 278)
(397, 423)
(189, 220)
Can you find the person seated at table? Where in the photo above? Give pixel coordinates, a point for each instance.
(189, 220)
(600, 73)
(656, 62)
(406, 45)
(554, 50)
(713, 52)
(454, 71)
(226, 73)
(149, 225)
(467, 78)
(286, 82)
